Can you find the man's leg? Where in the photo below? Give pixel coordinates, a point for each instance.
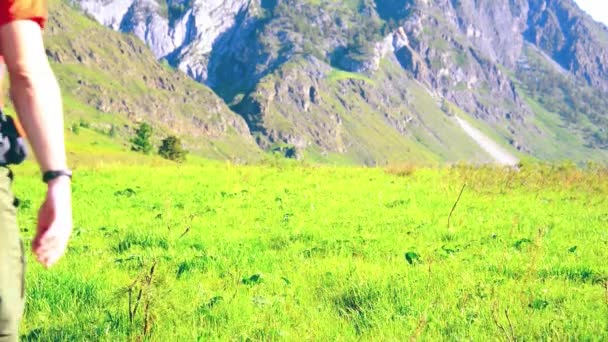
(12, 264)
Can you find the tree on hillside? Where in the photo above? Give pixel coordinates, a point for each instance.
(171, 148)
(113, 131)
(142, 140)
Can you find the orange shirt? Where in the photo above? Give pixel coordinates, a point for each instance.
(11, 10)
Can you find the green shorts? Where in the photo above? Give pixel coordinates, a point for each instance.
(12, 263)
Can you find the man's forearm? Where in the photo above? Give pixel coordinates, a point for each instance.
(40, 112)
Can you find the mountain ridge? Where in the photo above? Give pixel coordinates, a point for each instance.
(468, 55)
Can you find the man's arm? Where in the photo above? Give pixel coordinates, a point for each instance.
(37, 99)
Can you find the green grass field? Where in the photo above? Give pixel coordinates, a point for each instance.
(286, 251)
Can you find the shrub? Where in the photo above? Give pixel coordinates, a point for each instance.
(171, 148)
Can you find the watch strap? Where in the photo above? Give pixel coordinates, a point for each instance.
(52, 174)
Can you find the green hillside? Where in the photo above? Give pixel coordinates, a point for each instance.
(386, 117)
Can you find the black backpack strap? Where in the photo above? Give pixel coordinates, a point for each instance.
(12, 147)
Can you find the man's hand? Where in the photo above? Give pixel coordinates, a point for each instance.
(54, 223)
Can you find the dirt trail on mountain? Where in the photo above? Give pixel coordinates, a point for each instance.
(487, 144)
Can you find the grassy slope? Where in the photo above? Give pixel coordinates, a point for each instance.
(439, 133)
(551, 146)
(432, 129)
(561, 140)
(109, 79)
(361, 103)
(288, 253)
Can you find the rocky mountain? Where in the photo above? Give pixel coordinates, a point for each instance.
(388, 80)
(111, 82)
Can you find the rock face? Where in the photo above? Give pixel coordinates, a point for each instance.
(493, 27)
(182, 31)
(291, 67)
(571, 39)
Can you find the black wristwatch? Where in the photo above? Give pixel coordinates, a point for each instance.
(50, 175)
